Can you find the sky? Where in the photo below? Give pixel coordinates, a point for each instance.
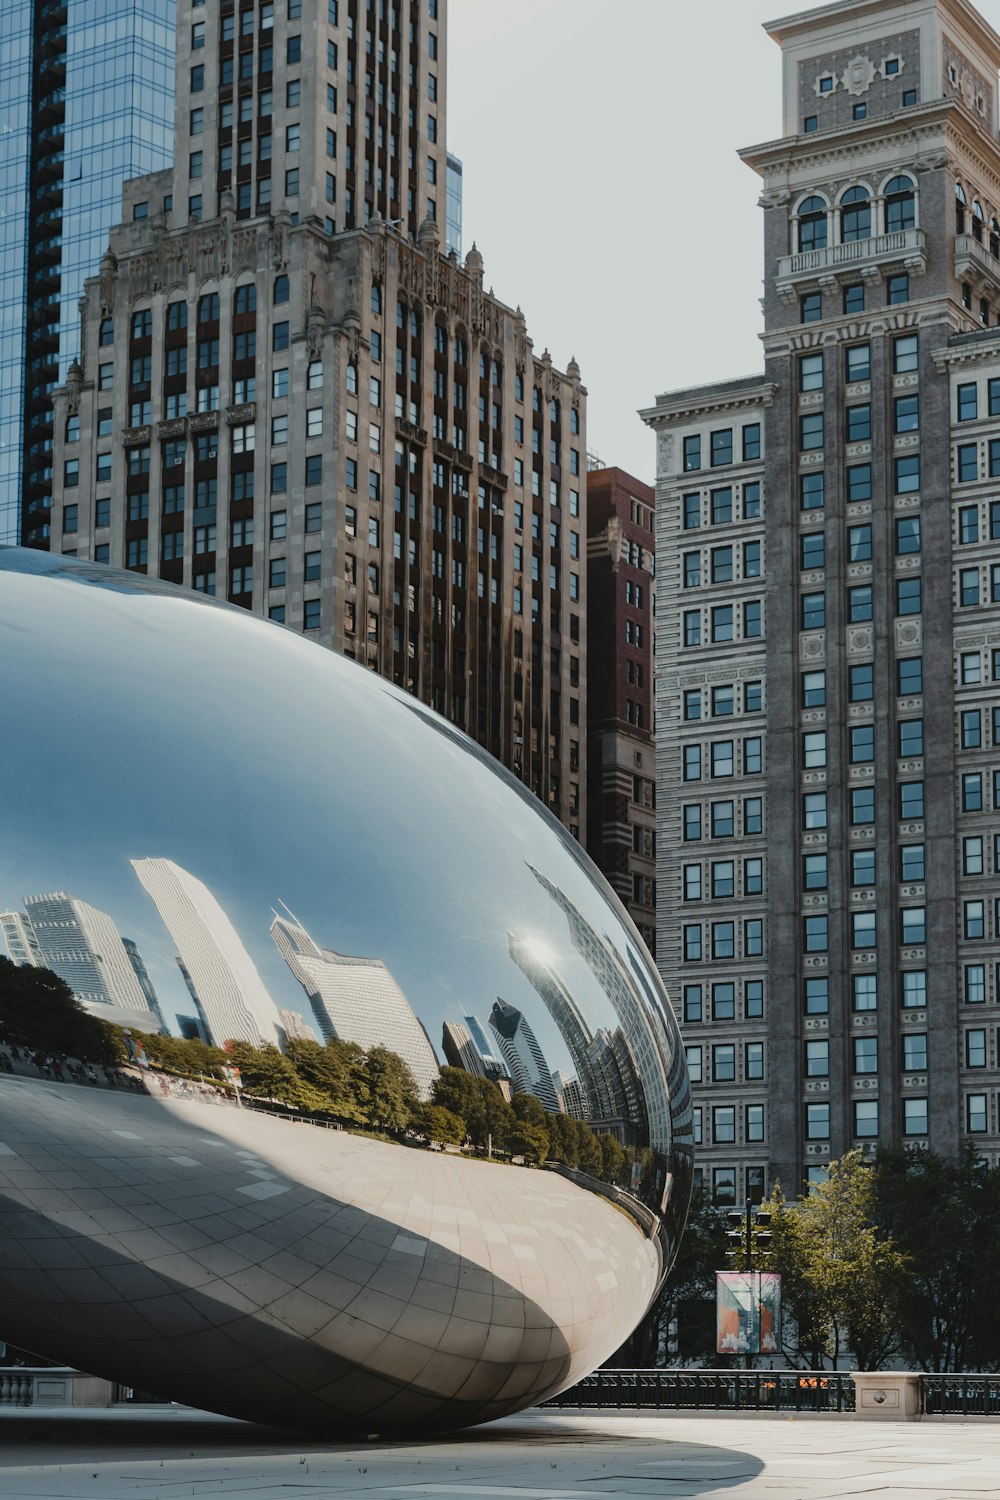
(603, 188)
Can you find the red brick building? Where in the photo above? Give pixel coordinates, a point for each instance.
(621, 756)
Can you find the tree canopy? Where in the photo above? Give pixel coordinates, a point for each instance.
(39, 1011)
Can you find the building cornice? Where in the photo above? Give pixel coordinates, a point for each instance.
(965, 15)
(685, 405)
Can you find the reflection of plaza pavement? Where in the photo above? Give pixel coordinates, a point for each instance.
(284, 1273)
(136, 1455)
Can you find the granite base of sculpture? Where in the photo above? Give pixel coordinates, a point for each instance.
(216, 815)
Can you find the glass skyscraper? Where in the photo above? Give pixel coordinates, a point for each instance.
(86, 101)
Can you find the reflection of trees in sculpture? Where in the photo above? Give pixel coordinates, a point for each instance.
(39, 1011)
(356, 1000)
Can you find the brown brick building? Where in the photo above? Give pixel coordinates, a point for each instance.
(621, 784)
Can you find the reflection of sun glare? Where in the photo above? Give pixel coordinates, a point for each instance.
(539, 948)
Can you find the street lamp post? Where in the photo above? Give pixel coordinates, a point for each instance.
(749, 1232)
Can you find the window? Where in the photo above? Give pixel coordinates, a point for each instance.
(858, 363)
(975, 1048)
(721, 447)
(865, 1054)
(814, 749)
(723, 940)
(814, 872)
(907, 535)
(753, 815)
(813, 611)
(976, 1113)
(898, 288)
(817, 1122)
(811, 307)
(722, 507)
(863, 930)
(692, 627)
(724, 1001)
(859, 423)
(751, 442)
(692, 762)
(724, 1063)
(859, 482)
(854, 299)
(692, 1002)
(914, 1116)
(914, 989)
(692, 453)
(905, 354)
(815, 933)
(908, 595)
(862, 868)
(864, 992)
(692, 942)
(722, 622)
(909, 676)
(911, 800)
(974, 919)
(967, 402)
(862, 744)
(859, 602)
(911, 738)
(812, 491)
(810, 372)
(722, 820)
(723, 1124)
(907, 474)
(811, 431)
(692, 696)
(862, 682)
(971, 729)
(722, 758)
(692, 1056)
(862, 805)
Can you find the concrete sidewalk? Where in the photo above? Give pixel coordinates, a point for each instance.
(166, 1454)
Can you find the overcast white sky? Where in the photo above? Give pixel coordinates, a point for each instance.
(603, 187)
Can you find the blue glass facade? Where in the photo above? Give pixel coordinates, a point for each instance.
(86, 99)
(453, 206)
(15, 131)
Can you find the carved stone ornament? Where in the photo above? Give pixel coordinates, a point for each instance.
(857, 77)
(109, 274)
(280, 240)
(315, 330)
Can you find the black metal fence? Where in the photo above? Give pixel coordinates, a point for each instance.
(960, 1395)
(712, 1390)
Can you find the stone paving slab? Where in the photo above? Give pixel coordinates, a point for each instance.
(169, 1454)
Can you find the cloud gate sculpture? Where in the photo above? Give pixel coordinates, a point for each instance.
(211, 820)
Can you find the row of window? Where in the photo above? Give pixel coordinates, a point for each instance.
(722, 564)
(897, 290)
(718, 880)
(721, 757)
(812, 544)
(718, 940)
(723, 1001)
(976, 460)
(860, 601)
(721, 622)
(724, 700)
(853, 214)
(724, 1062)
(721, 448)
(717, 820)
(724, 1124)
(718, 507)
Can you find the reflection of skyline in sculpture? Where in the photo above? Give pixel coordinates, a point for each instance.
(607, 1084)
(227, 990)
(465, 1050)
(638, 1058)
(296, 1027)
(356, 1000)
(519, 1046)
(135, 958)
(82, 945)
(569, 1095)
(22, 945)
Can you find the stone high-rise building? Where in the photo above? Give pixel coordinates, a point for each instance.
(829, 670)
(290, 396)
(621, 622)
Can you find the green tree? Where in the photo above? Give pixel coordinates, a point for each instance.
(564, 1143)
(612, 1158)
(945, 1216)
(184, 1055)
(529, 1140)
(842, 1277)
(455, 1090)
(439, 1124)
(591, 1159)
(334, 1070)
(388, 1092)
(39, 1011)
(529, 1110)
(266, 1074)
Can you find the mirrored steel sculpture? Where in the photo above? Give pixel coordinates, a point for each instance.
(207, 815)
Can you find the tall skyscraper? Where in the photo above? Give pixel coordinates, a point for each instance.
(827, 529)
(295, 1027)
(19, 938)
(86, 101)
(135, 958)
(83, 946)
(357, 1000)
(291, 396)
(621, 622)
(232, 1001)
(518, 1045)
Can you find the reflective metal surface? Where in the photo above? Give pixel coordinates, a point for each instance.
(207, 815)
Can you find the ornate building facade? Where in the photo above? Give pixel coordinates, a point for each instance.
(828, 709)
(290, 396)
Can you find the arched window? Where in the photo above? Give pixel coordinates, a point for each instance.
(812, 224)
(978, 220)
(855, 215)
(280, 289)
(376, 297)
(960, 202)
(900, 204)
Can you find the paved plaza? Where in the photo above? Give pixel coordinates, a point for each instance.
(139, 1454)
